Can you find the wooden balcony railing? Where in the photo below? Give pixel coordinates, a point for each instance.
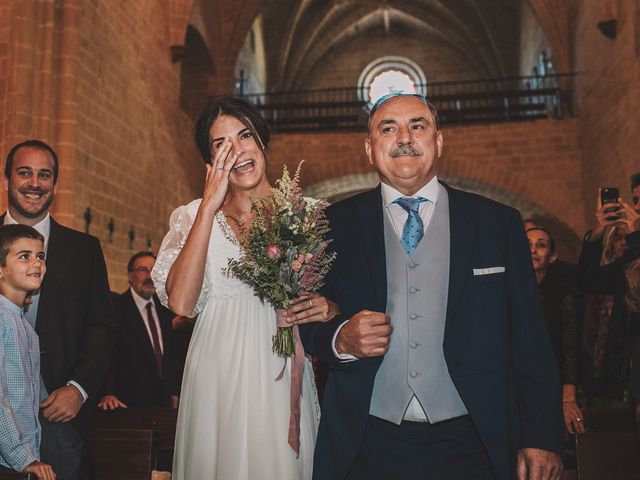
(473, 101)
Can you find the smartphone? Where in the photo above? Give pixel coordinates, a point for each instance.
(610, 195)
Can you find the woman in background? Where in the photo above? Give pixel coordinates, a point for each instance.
(560, 319)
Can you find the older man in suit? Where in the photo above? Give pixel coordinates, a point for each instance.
(441, 365)
(71, 313)
(143, 370)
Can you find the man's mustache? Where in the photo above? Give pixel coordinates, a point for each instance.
(148, 283)
(405, 150)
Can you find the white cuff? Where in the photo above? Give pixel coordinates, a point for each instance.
(345, 357)
(82, 392)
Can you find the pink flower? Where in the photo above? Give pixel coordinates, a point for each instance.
(273, 251)
(301, 258)
(308, 257)
(296, 265)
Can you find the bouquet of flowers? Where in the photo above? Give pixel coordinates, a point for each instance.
(284, 252)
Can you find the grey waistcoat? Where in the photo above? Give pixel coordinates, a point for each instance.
(417, 289)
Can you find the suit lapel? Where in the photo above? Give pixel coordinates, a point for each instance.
(371, 234)
(136, 322)
(58, 258)
(462, 230)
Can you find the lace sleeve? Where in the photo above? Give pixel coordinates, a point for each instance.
(179, 226)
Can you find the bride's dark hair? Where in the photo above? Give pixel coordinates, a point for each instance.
(243, 110)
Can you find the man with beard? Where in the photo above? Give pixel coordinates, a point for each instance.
(71, 312)
(143, 369)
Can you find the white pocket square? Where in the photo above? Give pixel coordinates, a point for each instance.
(488, 271)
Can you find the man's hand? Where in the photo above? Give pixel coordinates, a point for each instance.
(366, 334)
(536, 464)
(110, 402)
(174, 400)
(41, 470)
(62, 404)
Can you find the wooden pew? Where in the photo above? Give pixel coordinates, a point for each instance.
(610, 456)
(123, 454)
(609, 420)
(161, 420)
(17, 476)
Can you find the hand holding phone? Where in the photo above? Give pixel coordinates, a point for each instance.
(610, 195)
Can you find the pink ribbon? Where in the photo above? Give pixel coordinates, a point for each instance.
(297, 371)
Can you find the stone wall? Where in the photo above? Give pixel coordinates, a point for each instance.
(608, 98)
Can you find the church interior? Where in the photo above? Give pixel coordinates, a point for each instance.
(539, 99)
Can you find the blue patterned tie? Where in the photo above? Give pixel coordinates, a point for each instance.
(413, 229)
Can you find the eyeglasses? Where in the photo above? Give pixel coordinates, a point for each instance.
(142, 270)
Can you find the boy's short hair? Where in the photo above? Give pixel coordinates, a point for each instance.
(11, 233)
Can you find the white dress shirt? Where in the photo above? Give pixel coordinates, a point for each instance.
(398, 217)
(141, 303)
(43, 227)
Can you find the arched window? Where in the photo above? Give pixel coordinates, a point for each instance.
(390, 75)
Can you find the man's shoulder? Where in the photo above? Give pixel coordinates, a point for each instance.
(123, 297)
(479, 204)
(68, 234)
(348, 205)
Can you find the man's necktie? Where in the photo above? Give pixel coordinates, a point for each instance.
(413, 229)
(156, 340)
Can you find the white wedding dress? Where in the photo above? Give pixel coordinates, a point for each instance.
(234, 417)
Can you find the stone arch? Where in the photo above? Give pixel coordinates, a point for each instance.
(196, 70)
(555, 17)
(177, 22)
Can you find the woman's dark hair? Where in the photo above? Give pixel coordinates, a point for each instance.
(243, 110)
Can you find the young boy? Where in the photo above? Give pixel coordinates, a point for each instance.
(22, 269)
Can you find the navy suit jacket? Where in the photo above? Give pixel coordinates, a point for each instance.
(133, 374)
(497, 350)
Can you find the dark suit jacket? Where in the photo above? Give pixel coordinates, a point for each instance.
(133, 376)
(498, 353)
(75, 321)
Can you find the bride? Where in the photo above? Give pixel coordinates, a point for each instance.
(233, 421)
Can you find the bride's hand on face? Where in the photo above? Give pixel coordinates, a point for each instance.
(311, 308)
(216, 182)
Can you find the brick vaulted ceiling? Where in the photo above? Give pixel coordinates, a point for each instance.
(299, 34)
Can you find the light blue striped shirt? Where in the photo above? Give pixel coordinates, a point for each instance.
(19, 388)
